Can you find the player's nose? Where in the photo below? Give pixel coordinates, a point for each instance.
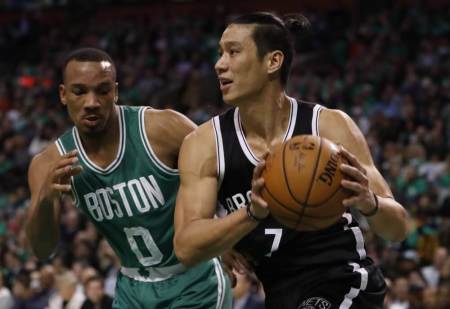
(221, 65)
(91, 100)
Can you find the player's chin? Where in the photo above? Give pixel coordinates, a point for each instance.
(230, 99)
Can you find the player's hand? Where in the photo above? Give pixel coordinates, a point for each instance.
(258, 205)
(357, 182)
(58, 178)
(232, 260)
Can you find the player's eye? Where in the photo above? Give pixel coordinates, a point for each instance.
(78, 91)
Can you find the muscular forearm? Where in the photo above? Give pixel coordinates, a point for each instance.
(43, 227)
(206, 238)
(390, 221)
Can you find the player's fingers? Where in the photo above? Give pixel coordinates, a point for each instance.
(256, 199)
(75, 170)
(351, 158)
(65, 188)
(353, 186)
(69, 172)
(257, 171)
(66, 161)
(258, 185)
(354, 173)
(60, 173)
(71, 153)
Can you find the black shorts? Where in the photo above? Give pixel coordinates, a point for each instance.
(349, 286)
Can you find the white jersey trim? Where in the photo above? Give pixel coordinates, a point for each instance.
(243, 141)
(354, 292)
(221, 285)
(220, 156)
(315, 119)
(120, 152)
(148, 148)
(357, 233)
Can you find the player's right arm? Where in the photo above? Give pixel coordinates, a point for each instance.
(48, 177)
(198, 235)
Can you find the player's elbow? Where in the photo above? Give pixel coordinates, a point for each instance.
(400, 230)
(403, 228)
(184, 253)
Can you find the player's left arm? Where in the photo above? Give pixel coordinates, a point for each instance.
(166, 130)
(369, 188)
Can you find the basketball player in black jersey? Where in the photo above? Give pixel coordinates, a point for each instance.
(222, 161)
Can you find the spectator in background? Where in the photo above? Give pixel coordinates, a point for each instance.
(6, 299)
(400, 294)
(22, 291)
(433, 273)
(372, 67)
(246, 292)
(68, 296)
(95, 294)
(45, 286)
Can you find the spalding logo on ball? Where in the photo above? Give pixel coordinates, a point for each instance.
(303, 183)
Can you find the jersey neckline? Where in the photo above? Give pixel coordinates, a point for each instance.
(120, 153)
(243, 141)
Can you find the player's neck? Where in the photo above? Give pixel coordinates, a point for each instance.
(266, 115)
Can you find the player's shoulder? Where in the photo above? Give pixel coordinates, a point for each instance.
(45, 158)
(338, 126)
(203, 135)
(168, 121)
(332, 119)
(198, 152)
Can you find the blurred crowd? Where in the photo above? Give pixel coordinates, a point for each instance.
(389, 70)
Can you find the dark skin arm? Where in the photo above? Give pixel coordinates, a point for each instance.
(48, 177)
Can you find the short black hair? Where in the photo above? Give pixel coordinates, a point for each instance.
(87, 54)
(276, 33)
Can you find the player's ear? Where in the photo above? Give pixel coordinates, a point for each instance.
(274, 61)
(62, 94)
(116, 93)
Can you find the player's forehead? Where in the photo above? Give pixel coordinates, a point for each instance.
(237, 34)
(89, 72)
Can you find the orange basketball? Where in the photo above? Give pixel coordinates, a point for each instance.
(302, 183)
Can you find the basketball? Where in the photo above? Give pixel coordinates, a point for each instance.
(302, 183)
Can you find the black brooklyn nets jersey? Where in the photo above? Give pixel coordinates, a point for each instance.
(279, 254)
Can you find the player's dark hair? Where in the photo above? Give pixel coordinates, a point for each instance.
(87, 54)
(275, 33)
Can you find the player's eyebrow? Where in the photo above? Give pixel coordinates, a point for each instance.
(230, 44)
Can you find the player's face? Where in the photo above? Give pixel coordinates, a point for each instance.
(242, 75)
(89, 92)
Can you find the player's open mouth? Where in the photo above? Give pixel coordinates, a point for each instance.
(225, 83)
(91, 120)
